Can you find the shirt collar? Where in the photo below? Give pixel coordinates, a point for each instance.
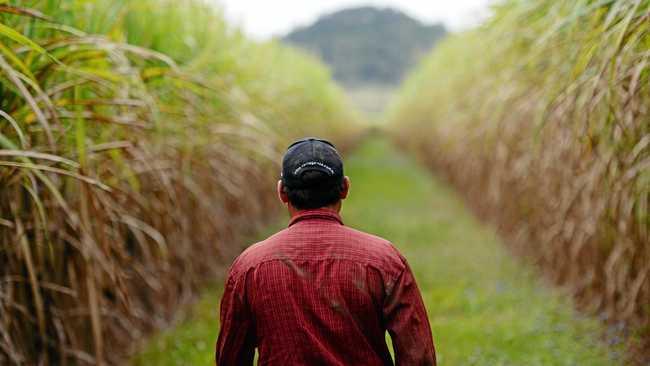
(318, 213)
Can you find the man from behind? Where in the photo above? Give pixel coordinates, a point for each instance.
(319, 292)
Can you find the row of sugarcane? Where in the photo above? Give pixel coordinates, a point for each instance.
(541, 119)
(139, 143)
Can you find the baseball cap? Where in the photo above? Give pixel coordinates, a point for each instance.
(309, 155)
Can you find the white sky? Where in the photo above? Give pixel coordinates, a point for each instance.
(267, 18)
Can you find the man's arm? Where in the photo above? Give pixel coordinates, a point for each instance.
(236, 343)
(407, 322)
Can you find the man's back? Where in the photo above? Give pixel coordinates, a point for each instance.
(320, 293)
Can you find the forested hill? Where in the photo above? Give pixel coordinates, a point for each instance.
(368, 45)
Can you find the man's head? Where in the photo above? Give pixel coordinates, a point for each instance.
(312, 175)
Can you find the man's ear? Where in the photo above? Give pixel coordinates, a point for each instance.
(282, 195)
(346, 187)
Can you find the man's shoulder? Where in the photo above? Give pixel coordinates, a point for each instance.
(257, 252)
(373, 242)
(374, 249)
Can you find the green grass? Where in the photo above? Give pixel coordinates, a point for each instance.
(485, 307)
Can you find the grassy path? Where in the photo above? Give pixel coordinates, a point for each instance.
(484, 307)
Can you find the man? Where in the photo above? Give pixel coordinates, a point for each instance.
(318, 292)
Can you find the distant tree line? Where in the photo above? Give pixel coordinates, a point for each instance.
(368, 45)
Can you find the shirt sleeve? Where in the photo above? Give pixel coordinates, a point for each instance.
(407, 323)
(236, 342)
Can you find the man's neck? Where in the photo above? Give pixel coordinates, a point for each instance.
(294, 211)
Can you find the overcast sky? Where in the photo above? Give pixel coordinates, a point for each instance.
(267, 18)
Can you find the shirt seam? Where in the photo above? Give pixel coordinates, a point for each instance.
(392, 279)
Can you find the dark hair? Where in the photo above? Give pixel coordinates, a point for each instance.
(318, 196)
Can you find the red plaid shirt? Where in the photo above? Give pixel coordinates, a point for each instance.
(321, 293)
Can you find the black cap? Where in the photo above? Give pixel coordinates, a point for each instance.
(308, 155)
